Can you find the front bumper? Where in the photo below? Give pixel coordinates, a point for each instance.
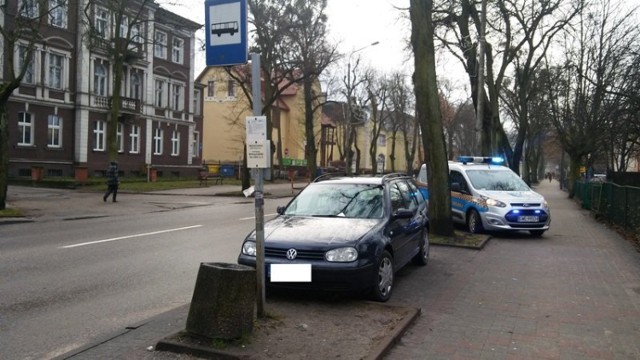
(509, 221)
(343, 277)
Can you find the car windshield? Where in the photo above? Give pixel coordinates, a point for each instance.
(496, 180)
(338, 200)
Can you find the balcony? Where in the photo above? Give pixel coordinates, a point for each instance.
(131, 48)
(127, 105)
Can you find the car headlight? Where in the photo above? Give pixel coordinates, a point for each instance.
(494, 202)
(546, 204)
(249, 248)
(346, 254)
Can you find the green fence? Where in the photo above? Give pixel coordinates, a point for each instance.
(618, 204)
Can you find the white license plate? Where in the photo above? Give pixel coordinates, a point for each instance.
(528, 219)
(290, 272)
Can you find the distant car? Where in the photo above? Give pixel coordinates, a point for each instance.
(345, 234)
(487, 196)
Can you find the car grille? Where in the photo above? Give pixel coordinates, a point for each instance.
(302, 254)
(525, 205)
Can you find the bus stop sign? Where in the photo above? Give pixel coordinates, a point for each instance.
(226, 32)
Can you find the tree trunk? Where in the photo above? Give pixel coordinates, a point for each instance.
(428, 107)
(223, 304)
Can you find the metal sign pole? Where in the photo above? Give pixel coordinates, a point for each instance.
(259, 189)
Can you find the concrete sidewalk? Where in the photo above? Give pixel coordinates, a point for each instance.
(573, 294)
(46, 204)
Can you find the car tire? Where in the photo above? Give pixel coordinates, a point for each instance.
(422, 257)
(474, 222)
(384, 277)
(536, 233)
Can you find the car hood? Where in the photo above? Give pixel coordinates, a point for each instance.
(513, 196)
(317, 231)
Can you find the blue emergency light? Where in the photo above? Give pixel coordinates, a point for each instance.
(480, 159)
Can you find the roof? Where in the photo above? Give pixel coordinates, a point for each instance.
(172, 19)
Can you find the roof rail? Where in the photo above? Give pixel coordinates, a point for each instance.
(330, 175)
(390, 176)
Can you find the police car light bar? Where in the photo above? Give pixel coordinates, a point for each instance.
(480, 159)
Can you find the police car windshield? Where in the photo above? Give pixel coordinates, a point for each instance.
(496, 180)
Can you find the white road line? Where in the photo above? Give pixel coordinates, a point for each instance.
(253, 217)
(129, 237)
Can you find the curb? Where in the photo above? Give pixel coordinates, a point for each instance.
(389, 342)
(376, 353)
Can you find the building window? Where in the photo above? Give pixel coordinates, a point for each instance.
(175, 143)
(159, 95)
(157, 141)
(120, 137)
(136, 86)
(211, 88)
(99, 137)
(28, 8)
(160, 45)
(176, 95)
(124, 27)
(196, 102)
(136, 33)
(58, 13)
(195, 144)
(177, 50)
(100, 80)
(382, 140)
(102, 23)
(56, 71)
(25, 129)
(29, 75)
(231, 88)
(134, 138)
(54, 131)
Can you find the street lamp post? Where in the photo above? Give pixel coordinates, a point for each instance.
(348, 152)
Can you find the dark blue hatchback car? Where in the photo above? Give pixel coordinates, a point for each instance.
(345, 234)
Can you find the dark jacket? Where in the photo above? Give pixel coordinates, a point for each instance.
(112, 175)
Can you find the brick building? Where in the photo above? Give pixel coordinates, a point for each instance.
(58, 118)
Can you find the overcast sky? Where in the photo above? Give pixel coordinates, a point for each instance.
(353, 24)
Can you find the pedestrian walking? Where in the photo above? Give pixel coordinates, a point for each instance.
(113, 181)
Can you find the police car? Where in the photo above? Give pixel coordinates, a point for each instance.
(487, 196)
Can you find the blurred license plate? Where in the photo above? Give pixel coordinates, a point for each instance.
(528, 219)
(290, 272)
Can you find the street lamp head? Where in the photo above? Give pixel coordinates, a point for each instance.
(374, 43)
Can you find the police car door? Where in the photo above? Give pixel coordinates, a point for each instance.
(460, 195)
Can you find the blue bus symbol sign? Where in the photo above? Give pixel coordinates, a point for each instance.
(226, 35)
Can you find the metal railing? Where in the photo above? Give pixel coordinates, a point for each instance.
(618, 204)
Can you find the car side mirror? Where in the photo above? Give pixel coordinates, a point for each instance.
(455, 187)
(402, 214)
(280, 210)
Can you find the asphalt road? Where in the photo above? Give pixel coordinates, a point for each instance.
(65, 283)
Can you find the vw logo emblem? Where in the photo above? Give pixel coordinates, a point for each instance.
(291, 254)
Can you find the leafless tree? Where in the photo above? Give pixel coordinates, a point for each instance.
(19, 35)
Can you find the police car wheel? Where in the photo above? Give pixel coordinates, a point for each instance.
(474, 222)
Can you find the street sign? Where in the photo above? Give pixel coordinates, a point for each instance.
(226, 32)
(258, 154)
(256, 127)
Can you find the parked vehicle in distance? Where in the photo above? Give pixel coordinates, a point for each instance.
(486, 196)
(345, 234)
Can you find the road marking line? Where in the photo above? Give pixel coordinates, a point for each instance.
(128, 237)
(253, 217)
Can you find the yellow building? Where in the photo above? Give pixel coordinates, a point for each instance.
(332, 141)
(226, 107)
